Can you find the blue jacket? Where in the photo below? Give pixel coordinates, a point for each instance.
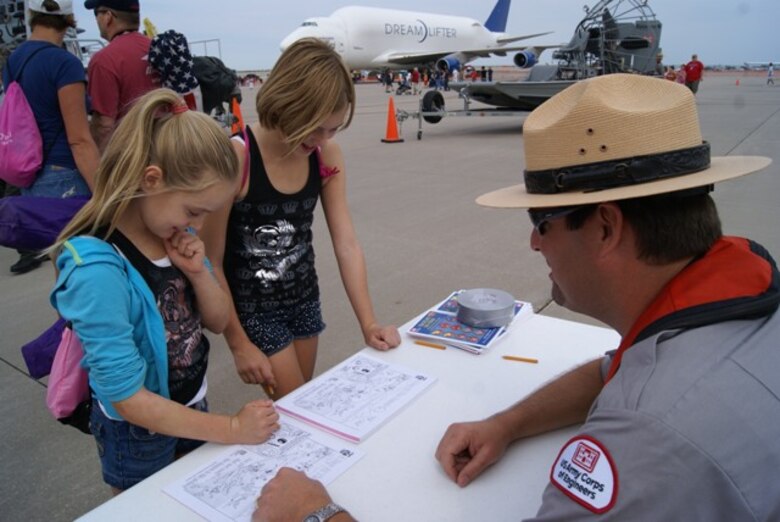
(115, 316)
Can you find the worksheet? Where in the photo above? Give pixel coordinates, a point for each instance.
(355, 397)
(226, 488)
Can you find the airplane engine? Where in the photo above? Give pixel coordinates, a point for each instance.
(448, 63)
(525, 59)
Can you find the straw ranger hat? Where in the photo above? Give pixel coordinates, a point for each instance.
(613, 137)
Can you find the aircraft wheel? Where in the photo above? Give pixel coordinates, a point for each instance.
(433, 101)
(419, 135)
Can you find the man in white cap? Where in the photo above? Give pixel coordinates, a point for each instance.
(681, 421)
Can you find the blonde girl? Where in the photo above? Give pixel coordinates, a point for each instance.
(262, 245)
(134, 282)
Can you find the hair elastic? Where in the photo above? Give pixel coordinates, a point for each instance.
(178, 108)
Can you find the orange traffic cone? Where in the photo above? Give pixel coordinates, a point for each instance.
(238, 120)
(391, 135)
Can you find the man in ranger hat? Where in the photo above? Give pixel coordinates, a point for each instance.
(681, 421)
(119, 73)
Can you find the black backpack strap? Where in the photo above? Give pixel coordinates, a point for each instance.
(24, 63)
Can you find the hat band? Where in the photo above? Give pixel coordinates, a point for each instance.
(619, 173)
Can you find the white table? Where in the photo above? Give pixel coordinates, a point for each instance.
(398, 478)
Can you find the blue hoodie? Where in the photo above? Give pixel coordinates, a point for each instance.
(115, 316)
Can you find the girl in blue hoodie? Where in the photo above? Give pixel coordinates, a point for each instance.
(134, 282)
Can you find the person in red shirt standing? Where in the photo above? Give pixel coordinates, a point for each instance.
(415, 81)
(120, 73)
(693, 73)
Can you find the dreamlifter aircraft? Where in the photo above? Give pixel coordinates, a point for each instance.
(373, 38)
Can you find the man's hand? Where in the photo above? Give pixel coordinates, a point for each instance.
(291, 495)
(468, 448)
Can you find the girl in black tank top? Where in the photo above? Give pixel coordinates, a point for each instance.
(262, 246)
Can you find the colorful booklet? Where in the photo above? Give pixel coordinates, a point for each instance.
(440, 324)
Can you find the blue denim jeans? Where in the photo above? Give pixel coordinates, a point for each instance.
(54, 181)
(129, 453)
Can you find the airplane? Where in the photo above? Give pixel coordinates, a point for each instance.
(376, 38)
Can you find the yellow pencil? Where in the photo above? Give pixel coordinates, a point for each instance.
(520, 359)
(431, 345)
(268, 389)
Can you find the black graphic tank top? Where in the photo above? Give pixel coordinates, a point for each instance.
(269, 257)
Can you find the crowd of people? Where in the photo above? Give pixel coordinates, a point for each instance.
(187, 229)
(415, 81)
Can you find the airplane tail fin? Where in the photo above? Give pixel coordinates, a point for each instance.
(496, 22)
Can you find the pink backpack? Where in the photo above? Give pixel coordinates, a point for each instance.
(21, 146)
(68, 381)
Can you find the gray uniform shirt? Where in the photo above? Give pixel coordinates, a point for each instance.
(691, 422)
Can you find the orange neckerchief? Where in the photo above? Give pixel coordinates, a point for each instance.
(729, 270)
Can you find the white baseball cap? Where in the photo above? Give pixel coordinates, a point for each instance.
(52, 7)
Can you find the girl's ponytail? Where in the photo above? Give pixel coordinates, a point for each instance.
(189, 147)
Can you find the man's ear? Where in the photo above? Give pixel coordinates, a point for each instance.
(612, 226)
(152, 180)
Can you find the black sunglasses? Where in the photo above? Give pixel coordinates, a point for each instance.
(99, 11)
(541, 216)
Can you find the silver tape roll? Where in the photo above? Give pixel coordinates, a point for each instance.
(485, 307)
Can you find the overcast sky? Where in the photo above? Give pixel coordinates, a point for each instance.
(720, 31)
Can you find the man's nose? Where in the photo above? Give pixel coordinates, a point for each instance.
(535, 239)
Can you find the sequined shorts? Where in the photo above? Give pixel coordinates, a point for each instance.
(273, 331)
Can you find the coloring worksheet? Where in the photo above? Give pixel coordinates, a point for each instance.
(226, 488)
(355, 397)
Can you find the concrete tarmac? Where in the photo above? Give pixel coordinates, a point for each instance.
(423, 236)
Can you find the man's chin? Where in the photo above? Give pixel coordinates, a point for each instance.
(557, 296)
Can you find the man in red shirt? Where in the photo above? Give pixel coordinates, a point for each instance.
(120, 73)
(415, 81)
(693, 73)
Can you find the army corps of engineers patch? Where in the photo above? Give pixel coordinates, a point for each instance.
(584, 471)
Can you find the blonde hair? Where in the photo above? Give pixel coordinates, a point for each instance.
(190, 148)
(307, 84)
